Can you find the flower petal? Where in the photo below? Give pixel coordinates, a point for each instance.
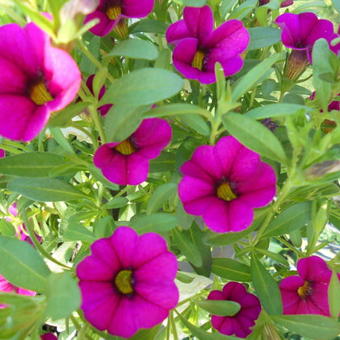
(12, 80)
(92, 268)
(137, 8)
(104, 26)
(104, 251)
(313, 268)
(177, 31)
(137, 169)
(240, 215)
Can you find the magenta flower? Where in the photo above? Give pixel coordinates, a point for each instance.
(224, 183)
(127, 162)
(2, 153)
(36, 79)
(307, 293)
(48, 336)
(7, 287)
(110, 12)
(301, 31)
(127, 283)
(104, 109)
(198, 46)
(240, 323)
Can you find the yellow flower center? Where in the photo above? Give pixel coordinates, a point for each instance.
(125, 147)
(113, 12)
(305, 290)
(123, 282)
(198, 60)
(225, 192)
(39, 94)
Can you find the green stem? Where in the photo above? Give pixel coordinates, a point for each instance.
(97, 123)
(173, 326)
(215, 124)
(39, 246)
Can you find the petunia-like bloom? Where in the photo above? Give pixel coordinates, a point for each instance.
(198, 46)
(36, 80)
(7, 287)
(239, 324)
(224, 183)
(127, 162)
(127, 283)
(2, 153)
(301, 31)
(104, 109)
(307, 293)
(110, 12)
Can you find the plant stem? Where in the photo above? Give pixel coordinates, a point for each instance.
(97, 123)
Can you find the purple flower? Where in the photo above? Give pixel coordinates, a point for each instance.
(110, 12)
(127, 162)
(224, 183)
(307, 293)
(240, 323)
(7, 287)
(36, 79)
(301, 31)
(127, 282)
(2, 153)
(104, 109)
(48, 336)
(198, 46)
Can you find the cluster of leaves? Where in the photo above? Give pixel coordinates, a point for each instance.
(62, 197)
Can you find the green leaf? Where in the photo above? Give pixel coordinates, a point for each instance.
(334, 295)
(336, 5)
(31, 164)
(77, 232)
(188, 248)
(196, 123)
(115, 203)
(255, 136)
(293, 218)
(6, 228)
(231, 269)
(266, 287)
(194, 3)
(276, 110)
(254, 75)
(149, 26)
(263, 37)
(169, 110)
(63, 295)
(220, 307)
(161, 195)
(312, 326)
(45, 189)
(63, 117)
(136, 49)
(104, 227)
(22, 265)
(243, 10)
(143, 87)
(158, 223)
(202, 334)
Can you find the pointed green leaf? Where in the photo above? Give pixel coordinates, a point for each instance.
(231, 269)
(220, 307)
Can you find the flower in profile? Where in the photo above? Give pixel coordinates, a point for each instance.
(239, 324)
(104, 109)
(127, 162)
(36, 80)
(198, 46)
(307, 293)
(301, 31)
(111, 12)
(2, 153)
(224, 183)
(127, 282)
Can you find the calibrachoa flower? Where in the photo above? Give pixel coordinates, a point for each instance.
(7, 287)
(224, 183)
(48, 336)
(240, 323)
(127, 283)
(301, 31)
(104, 109)
(2, 153)
(110, 12)
(36, 79)
(307, 293)
(127, 162)
(199, 46)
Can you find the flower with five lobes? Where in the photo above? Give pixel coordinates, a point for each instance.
(240, 323)
(127, 283)
(223, 183)
(307, 293)
(36, 80)
(110, 12)
(198, 46)
(127, 162)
